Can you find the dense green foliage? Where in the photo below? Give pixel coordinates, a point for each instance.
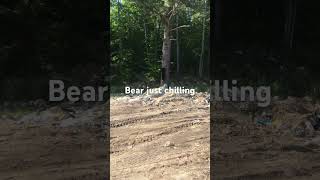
(137, 34)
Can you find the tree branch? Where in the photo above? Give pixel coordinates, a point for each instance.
(172, 14)
(183, 26)
(173, 11)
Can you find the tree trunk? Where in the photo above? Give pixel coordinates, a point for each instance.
(157, 34)
(178, 48)
(290, 23)
(145, 29)
(166, 52)
(217, 11)
(145, 39)
(202, 46)
(289, 42)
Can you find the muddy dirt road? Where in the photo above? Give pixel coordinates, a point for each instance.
(160, 138)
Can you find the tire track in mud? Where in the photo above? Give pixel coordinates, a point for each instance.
(149, 138)
(167, 162)
(184, 122)
(139, 140)
(129, 121)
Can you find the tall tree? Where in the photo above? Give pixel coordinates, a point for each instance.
(166, 9)
(178, 46)
(203, 40)
(142, 33)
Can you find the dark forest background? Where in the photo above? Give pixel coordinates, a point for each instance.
(273, 43)
(42, 40)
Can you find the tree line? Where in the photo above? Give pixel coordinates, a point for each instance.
(159, 41)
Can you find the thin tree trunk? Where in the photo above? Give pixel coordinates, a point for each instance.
(217, 11)
(178, 47)
(157, 34)
(145, 29)
(293, 22)
(202, 46)
(290, 23)
(119, 20)
(289, 41)
(145, 38)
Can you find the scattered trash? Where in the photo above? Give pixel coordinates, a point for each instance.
(264, 119)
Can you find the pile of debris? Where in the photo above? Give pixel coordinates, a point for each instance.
(62, 115)
(163, 99)
(299, 116)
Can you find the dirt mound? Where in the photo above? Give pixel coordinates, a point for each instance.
(292, 114)
(286, 149)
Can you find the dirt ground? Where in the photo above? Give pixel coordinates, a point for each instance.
(166, 137)
(248, 151)
(158, 138)
(51, 144)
